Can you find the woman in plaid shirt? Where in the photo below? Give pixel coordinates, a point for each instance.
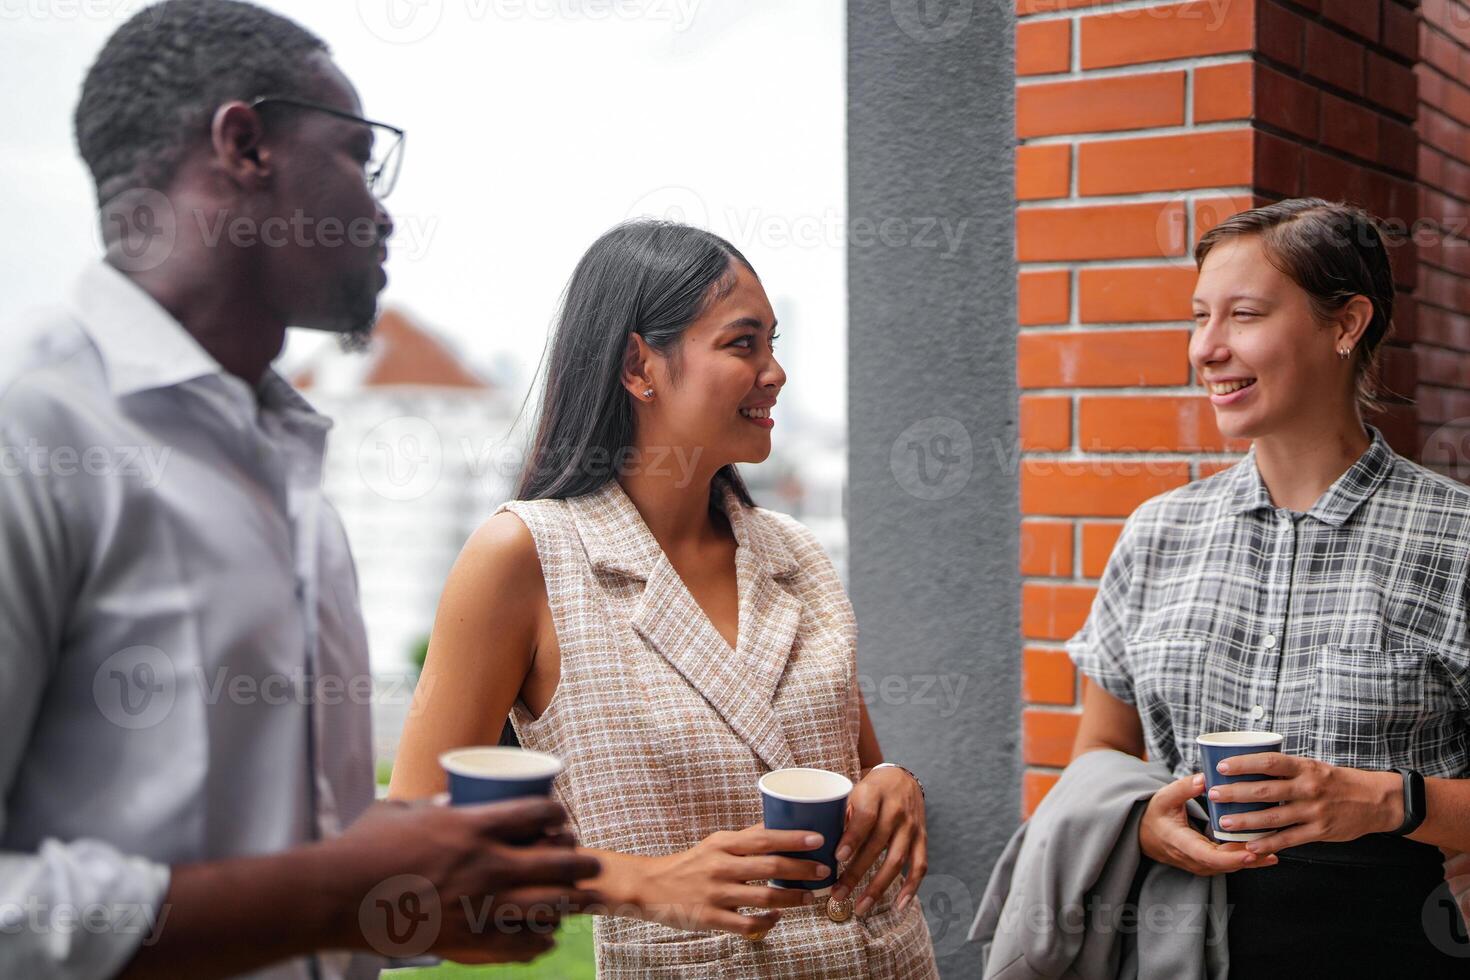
(1317, 589)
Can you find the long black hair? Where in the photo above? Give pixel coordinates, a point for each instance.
(653, 278)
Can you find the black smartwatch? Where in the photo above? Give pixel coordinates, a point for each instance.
(1414, 805)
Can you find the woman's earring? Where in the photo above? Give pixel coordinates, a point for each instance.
(1343, 352)
(648, 393)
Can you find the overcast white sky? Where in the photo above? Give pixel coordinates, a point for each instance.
(533, 126)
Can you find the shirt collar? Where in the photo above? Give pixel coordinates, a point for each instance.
(142, 346)
(276, 394)
(1248, 492)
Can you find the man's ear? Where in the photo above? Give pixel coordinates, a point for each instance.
(237, 137)
(637, 366)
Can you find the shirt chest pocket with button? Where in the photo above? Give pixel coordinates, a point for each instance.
(1382, 701)
(1186, 684)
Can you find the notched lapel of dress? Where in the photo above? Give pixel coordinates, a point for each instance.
(770, 613)
(674, 624)
(769, 617)
(739, 685)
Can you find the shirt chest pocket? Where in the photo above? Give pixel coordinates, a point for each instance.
(1379, 702)
(1168, 683)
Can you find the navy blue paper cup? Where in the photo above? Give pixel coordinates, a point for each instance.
(807, 799)
(1223, 745)
(492, 773)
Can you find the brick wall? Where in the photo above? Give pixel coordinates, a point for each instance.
(1442, 338)
(1139, 126)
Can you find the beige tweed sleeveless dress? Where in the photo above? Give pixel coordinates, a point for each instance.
(664, 730)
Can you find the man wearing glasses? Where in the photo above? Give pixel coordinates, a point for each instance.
(186, 780)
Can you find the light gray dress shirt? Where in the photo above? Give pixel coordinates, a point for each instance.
(183, 665)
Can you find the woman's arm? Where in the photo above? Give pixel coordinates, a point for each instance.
(480, 652)
(1107, 723)
(869, 752)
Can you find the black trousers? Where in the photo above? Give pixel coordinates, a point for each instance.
(1374, 907)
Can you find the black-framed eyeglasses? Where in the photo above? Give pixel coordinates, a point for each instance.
(386, 159)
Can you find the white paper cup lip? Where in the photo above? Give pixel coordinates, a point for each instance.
(1239, 738)
(1241, 835)
(816, 892)
(542, 765)
(839, 785)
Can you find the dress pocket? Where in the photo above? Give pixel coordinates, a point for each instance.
(899, 943)
(696, 956)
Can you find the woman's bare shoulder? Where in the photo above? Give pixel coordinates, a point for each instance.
(498, 571)
(503, 537)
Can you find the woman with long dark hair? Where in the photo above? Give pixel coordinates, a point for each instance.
(1319, 589)
(635, 614)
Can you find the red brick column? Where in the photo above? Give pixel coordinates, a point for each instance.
(1139, 126)
(1442, 339)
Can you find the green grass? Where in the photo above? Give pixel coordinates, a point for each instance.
(570, 960)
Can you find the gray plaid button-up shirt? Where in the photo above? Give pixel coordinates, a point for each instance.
(1344, 629)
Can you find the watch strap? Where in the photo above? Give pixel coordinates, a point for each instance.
(1414, 802)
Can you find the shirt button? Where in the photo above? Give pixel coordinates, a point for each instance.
(1269, 642)
(1258, 712)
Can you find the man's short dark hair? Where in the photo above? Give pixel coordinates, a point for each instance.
(152, 92)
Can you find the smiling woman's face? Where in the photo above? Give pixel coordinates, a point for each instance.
(728, 380)
(1258, 349)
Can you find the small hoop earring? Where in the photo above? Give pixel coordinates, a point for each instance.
(1343, 352)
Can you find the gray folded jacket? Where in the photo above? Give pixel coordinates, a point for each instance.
(1073, 896)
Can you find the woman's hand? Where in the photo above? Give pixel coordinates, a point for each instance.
(1166, 835)
(702, 888)
(885, 810)
(1319, 802)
